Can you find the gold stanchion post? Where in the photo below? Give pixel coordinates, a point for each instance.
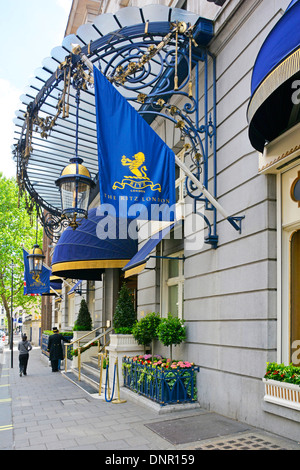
(79, 363)
(101, 371)
(66, 356)
(118, 400)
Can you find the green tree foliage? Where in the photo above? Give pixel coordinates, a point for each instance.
(171, 330)
(16, 229)
(84, 320)
(145, 330)
(125, 315)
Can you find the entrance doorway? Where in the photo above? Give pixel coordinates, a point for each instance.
(294, 295)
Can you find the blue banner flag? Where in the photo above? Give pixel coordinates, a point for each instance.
(38, 286)
(136, 167)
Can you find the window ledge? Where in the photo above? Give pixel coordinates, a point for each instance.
(283, 395)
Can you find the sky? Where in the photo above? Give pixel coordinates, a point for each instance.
(29, 30)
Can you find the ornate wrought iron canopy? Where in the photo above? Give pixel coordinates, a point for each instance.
(152, 56)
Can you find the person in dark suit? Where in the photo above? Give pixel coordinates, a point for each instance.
(55, 349)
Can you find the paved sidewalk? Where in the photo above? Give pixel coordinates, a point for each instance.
(45, 411)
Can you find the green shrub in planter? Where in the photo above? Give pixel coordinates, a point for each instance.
(145, 330)
(84, 320)
(125, 315)
(65, 334)
(171, 330)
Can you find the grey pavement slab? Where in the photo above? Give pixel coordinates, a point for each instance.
(45, 411)
(196, 428)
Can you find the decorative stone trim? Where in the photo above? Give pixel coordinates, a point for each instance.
(279, 158)
(282, 393)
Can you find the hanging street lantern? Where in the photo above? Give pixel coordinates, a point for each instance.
(75, 183)
(35, 259)
(75, 180)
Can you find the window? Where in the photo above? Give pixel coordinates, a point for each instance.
(180, 177)
(172, 295)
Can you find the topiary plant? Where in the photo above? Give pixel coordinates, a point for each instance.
(125, 316)
(145, 330)
(171, 330)
(84, 320)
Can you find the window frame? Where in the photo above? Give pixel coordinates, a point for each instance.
(167, 282)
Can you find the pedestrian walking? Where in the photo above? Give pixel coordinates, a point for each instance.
(55, 349)
(24, 347)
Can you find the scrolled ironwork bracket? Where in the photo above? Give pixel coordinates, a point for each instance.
(236, 222)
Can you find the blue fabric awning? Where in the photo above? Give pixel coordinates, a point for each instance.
(277, 63)
(139, 260)
(55, 286)
(55, 282)
(100, 242)
(279, 44)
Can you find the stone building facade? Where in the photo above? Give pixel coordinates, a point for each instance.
(228, 296)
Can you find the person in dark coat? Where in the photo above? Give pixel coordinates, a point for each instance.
(55, 349)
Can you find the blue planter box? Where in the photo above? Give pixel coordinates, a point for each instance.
(45, 344)
(165, 386)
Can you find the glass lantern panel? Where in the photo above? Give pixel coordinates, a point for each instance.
(75, 196)
(68, 194)
(83, 196)
(35, 265)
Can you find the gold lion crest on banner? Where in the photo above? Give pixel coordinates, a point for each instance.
(139, 179)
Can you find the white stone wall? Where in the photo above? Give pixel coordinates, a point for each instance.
(230, 293)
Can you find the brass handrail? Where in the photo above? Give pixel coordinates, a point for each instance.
(97, 338)
(84, 336)
(77, 341)
(103, 348)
